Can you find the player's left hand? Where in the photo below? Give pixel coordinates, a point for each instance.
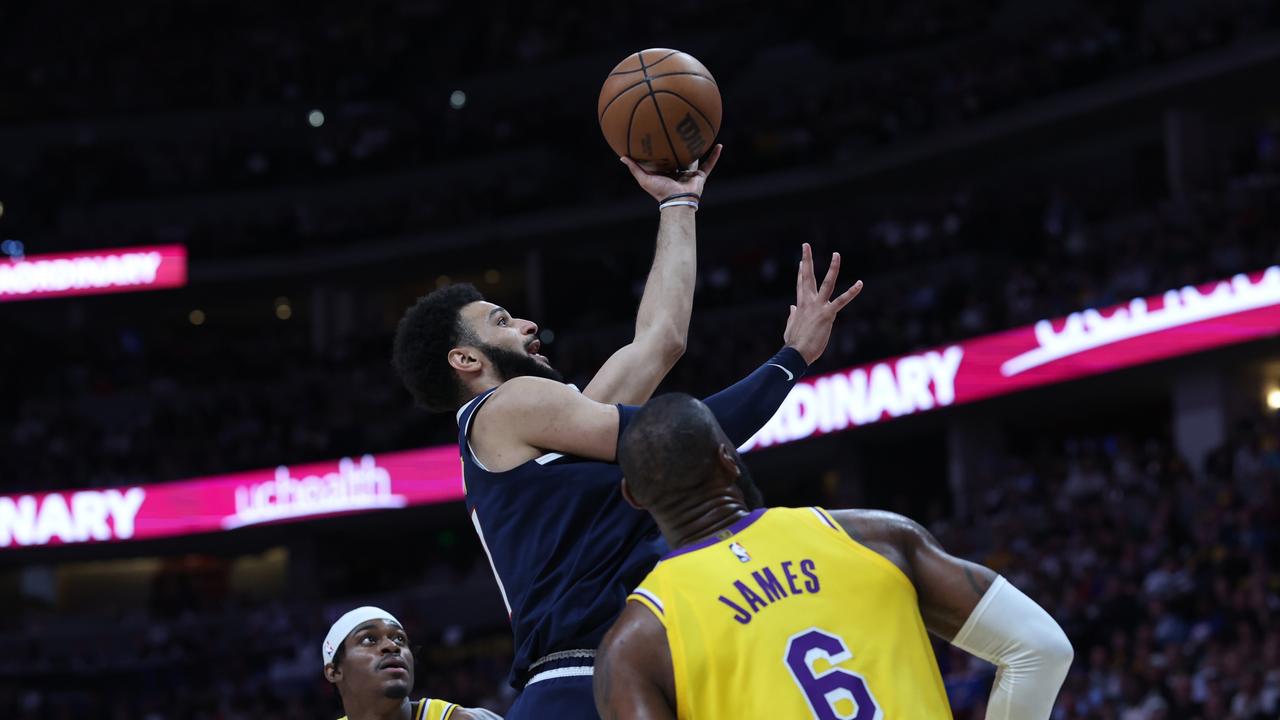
(664, 186)
(809, 324)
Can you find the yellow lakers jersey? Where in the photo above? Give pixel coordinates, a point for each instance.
(428, 709)
(784, 615)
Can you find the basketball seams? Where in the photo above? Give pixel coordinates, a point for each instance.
(708, 78)
(641, 69)
(654, 64)
(621, 92)
(638, 83)
(675, 154)
(631, 120)
(681, 98)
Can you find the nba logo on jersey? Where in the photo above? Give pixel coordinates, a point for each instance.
(740, 552)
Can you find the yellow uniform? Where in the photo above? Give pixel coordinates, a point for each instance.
(428, 709)
(784, 615)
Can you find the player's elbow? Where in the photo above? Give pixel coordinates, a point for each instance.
(666, 343)
(1057, 652)
(1049, 652)
(674, 350)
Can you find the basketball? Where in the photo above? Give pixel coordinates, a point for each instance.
(661, 108)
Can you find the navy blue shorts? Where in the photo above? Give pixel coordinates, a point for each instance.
(566, 698)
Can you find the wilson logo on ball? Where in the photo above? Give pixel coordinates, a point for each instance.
(691, 134)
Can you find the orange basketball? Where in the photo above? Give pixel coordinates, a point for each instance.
(660, 107)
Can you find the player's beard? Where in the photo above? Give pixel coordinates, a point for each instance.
(750, 491)
(514, 364)
(396, 692)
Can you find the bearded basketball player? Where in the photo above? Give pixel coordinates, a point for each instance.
(539, 455)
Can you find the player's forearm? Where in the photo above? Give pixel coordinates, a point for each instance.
(662, 322)
(1030, 650)
(744, 407)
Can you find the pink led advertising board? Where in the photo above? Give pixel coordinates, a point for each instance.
(93, 272)
(227, 502)
(1143, 330)
(1091, 342)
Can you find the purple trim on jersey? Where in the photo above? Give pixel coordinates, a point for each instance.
(734, 529)
(825, 519)
(651, 598)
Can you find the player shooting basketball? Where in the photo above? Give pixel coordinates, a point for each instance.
(538, 455)
(367, 657)
(800, 612)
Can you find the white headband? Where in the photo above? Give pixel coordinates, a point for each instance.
(348, 622)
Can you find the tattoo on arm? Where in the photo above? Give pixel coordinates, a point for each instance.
(979, 587)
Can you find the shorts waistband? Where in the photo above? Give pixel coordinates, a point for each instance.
(565, 663)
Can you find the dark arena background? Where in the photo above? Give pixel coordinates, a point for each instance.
(1064, 363)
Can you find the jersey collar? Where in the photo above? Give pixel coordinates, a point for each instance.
(725, 534)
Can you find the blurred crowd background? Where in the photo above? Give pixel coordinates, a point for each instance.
(980, 166)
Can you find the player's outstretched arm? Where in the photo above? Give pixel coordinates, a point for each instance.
(528, 416)
(633, 677)
(744, 407)
(976, 610)
(662, 322)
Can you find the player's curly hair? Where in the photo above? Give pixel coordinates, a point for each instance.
(426, 334)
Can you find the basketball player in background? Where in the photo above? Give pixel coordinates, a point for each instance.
(538, 455)
(367, 657)
(800, 612)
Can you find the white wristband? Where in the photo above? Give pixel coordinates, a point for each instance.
(673, 203)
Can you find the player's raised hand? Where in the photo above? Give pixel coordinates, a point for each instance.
(664, 186)
(811, 318)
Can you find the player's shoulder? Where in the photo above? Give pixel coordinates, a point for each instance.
(526, 391)
(895, 537)
(473, 714)
(436, 709)
(515, 397)
(866, 525)
(640, 624)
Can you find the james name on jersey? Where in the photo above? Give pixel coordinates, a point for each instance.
(792, 578)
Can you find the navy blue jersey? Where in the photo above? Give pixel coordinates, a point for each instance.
(565, 546)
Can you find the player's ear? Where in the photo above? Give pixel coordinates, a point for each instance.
(626, 495)
(332, 674)
(465, 359)
(728, 458)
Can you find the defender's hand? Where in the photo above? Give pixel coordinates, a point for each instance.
(664, 186)
(811, 318)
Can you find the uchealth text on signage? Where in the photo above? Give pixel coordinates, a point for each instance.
(363, 486)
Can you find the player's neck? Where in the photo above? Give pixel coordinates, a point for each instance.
(481, 385)
(382, 709)
(692, 523)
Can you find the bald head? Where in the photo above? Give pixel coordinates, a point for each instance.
(673, 449)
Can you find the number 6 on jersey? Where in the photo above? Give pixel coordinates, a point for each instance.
(833, 693)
